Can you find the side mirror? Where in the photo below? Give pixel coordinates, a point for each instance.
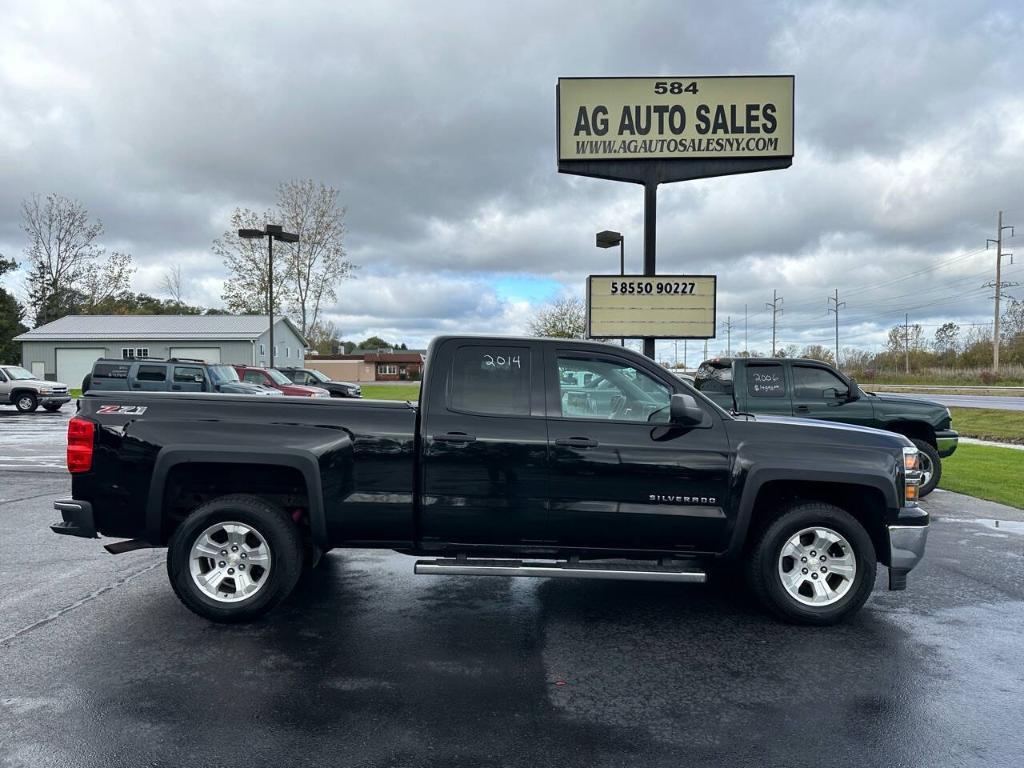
(683, 410)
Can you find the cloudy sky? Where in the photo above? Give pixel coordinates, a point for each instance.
(437, 123)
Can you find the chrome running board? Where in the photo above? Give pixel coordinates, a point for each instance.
(559, 570)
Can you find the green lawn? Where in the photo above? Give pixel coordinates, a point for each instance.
(989, 424)
(391, 391)
(75, 393)
(996, 474)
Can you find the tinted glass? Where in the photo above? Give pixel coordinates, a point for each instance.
(766, 381)
(811, 383)
(255, 377)
(110, 371)
(17, 373)
(603, 389)
(491, 380)
(222, 374)
(714, 377)
(151, 373)
(277, 376)
(187, 375)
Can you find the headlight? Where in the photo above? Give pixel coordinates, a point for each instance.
(45, 391)
(911, 475)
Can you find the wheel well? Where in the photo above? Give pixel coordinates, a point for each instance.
(914, 430)
(866, 504)
(189, 485)
(16, 392)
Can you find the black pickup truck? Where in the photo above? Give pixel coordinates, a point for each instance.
(812, 389)
(524, 457)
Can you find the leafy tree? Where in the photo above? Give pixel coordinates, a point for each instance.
(561, 319)
(947, 341)
(375, 342)
(819, 352)
(69, 269)
(323, 337)
(10, 319)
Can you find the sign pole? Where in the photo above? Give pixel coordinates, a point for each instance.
(650, 244)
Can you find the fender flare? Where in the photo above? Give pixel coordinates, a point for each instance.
(758, 478)
(169, 458)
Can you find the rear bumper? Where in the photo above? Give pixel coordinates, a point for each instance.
(946, 442)
(906, 546)
(77, 519)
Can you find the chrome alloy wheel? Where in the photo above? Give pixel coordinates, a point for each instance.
(817, 566)
(230, 561)
(924, 463)
(25, 402)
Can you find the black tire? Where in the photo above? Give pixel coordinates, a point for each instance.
(87, 383)
(763, 564)
(53, 407)
(26, 402)
(277, 530)
(930, 453)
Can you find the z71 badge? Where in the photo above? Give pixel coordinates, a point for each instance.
(130, 410)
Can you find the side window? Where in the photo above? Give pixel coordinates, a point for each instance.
(491, 380)
(110, 371)
(810, 383)
(253, 377)
(603, 389)
(766, 380)
(714, 378)
(151, 373)
(187, 375)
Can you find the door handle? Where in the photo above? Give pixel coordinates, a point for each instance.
(576, 442)
(455, 437)
(136, 386)
(803, 409)
(175, 386)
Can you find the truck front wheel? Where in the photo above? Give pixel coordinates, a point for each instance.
(815, 564)
(931, 467)
(234, 558)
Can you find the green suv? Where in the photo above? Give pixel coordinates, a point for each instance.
(811, 389)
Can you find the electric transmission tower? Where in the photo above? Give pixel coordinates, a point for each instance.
(998, 285)
(727, 325)
(775, 305)
(834, 305)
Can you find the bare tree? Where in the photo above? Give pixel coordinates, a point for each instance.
(245, 290)
(172, 284)
(819, 352)
(561, 319)
(67, 269)
(323, 337)
(316, 264)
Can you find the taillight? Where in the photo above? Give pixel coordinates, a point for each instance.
(80, 438)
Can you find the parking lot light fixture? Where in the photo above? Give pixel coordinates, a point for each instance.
(272, 232)
(609, 239)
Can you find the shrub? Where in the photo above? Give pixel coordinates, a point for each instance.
(989, 377)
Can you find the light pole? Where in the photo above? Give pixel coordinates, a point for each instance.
(609, 239)
(272, 232)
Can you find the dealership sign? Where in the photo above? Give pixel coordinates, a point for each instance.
(664, 307)
(636, 118)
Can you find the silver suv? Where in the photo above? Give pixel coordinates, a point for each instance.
(20, 388)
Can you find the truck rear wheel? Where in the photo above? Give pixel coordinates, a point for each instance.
(815, 564)
(931, 467)
(234, 558)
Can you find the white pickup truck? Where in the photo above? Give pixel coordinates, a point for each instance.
(25, 392)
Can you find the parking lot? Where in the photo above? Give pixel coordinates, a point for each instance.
(368, 665)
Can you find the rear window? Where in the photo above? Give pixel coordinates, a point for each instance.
(766, 381)
(151, 373)
(110, 370)
(714, 377)
(491, 380)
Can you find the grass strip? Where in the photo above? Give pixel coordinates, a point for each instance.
(391, 391)
(989, 424)
(996, 474)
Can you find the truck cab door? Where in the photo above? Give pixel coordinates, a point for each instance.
(188, 378)
(819, 393)
(621, 476)
(483, 446)
(766, 387)
(5, 388)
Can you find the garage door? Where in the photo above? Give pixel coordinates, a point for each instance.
(73, 364)
(209, 354)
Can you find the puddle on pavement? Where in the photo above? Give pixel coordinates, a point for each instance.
(999, 526)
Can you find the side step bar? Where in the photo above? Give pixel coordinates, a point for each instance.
(560, 570)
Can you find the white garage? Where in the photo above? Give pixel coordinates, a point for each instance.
(207, 354)
(74, 363)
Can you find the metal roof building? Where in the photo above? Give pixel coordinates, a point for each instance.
(66, 348)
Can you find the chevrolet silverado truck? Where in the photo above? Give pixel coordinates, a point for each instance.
(812, 389)
(523, 457)
(21, 388)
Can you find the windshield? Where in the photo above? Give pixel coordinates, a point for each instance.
(222, 374)
(319, 376)
(277, 376)
(17, 373)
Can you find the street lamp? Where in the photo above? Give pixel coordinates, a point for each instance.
(272, 232)
(609, 239)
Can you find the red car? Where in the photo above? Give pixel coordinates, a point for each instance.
(271, 377)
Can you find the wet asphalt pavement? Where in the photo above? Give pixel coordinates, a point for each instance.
(368, 665)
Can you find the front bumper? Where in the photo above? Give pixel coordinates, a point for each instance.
(946, 442)
(45, 400)
(77, 519)
(906, 545)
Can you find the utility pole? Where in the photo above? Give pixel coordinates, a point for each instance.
(746, 345)
(705, 349)
(906, 341)
(773, 305)
(685, 363)
(838, 305)
(998, 286)
(728, 334)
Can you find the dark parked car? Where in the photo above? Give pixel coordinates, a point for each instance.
(271, 377)
(812, 389)
(174, 375)
(314, 378)
(524, 457)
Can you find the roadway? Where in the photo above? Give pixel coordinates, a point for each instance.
(997, 402)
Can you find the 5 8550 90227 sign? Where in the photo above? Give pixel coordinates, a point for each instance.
(662, 306)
